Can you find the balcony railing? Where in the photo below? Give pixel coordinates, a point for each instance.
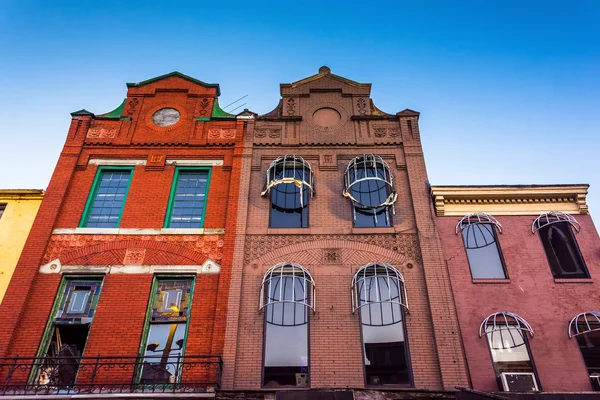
(105, 375)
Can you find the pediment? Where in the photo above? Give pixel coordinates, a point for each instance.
(325, 81)
(174, 80)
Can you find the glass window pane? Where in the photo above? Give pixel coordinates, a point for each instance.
(483, 251)
(188, 206)
(509, 350)
(161, 362)
(109, 199)
(589, 344)
(562, 251)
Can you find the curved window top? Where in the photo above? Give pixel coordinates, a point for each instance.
(477, 218)
(287, 283)
(553, 218)
(505, 330)
(367, 168)
(378, 284)
(584, 323)
(290, 169)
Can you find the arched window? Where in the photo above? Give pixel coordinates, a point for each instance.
(368, 183)
(506, 334)
(480, 237)
(586, 328)
(287, 295)
(378, 293)
(561, 247)
(291, 183)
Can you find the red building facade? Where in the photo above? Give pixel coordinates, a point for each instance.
(297, 254)
(131, 253)
(543, 283)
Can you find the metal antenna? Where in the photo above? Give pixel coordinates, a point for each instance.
(241, 105)
(223, 108)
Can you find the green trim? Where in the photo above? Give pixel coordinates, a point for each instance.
(217, 112)
(202, 119)
(58, 300)
(177, 74)
(114, 114)
(169, 213)
(82, 112)
(146, 329)
(94, 191)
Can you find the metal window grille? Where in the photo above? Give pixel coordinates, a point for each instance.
(287, 284)
(290, 169)
(477, 218)
(380, 285)
(553, 218)
(584, 323)
(505, 324)
(369, 184)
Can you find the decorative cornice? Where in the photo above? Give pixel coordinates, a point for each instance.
(509, 199)
(21, 194)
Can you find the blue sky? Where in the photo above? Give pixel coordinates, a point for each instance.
(509, 91)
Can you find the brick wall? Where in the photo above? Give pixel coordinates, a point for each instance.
(531, 293)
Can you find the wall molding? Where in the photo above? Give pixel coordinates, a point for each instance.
(55, 267)
(509, 199)
(136, 231)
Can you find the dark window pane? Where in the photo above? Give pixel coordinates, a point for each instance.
(589, 344)
(287, 211)
(562, 251)
(370, 193)
(108, 203)
(190, 197)
(483, 251)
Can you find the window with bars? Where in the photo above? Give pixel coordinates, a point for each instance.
(290, 181)
(107, 198)
(187, 206)
(480, 237)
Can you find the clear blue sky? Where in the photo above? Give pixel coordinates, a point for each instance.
(509, 91)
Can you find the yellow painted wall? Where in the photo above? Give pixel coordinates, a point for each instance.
(15, 223)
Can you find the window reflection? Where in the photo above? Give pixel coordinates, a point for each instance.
(286, 332)
(509, 349)
(483, 251)
(562, 251)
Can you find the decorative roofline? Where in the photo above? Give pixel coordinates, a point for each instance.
(179, 75)
(509, 199)
(21, 194)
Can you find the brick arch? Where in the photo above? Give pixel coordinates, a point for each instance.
(377, 253)
(113, 253)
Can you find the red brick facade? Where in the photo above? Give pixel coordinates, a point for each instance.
(531, 292)
(411, 245)
(129, 135)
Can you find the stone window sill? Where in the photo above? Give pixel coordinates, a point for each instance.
(289, 231)
(390, 229)
(496, 281)
(576, 280)
(134, 231)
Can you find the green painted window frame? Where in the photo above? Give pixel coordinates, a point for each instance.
(169, 212)
(94, 191)
(58, 301)
(147, 324)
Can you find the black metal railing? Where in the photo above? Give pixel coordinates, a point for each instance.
(102, 375)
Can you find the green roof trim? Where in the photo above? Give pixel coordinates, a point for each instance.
(217, 112)
(202, 119)
(81, 112)
(177, 74)
(114, 114)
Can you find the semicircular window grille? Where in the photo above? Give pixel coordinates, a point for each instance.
(380, 289)
(505, 330)
(553, 218)
(287, 292)
(477, 218)
(290, 180)
(369, 184)
(584, 323)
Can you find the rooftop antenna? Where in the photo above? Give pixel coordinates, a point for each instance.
(223, 108)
